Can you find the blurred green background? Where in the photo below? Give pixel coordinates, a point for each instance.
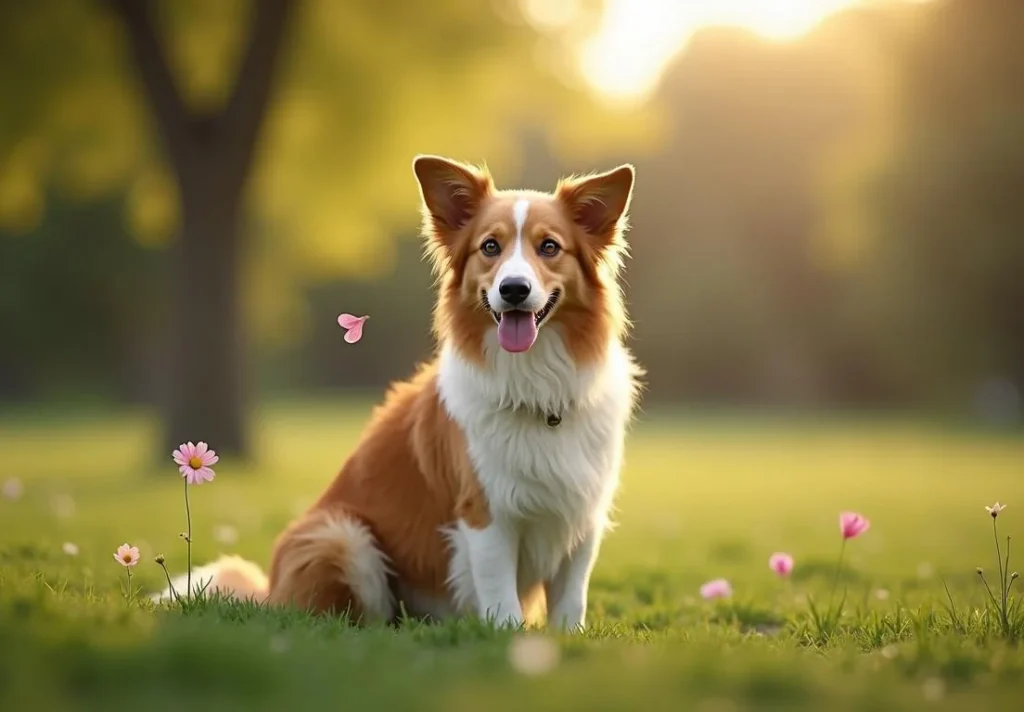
(827, 214)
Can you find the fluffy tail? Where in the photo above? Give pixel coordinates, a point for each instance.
(230, 576)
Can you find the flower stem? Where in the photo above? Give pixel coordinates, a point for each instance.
(128, 592)
(1006, 579)
(989, 589)
(999, 556)
(170, 584)
(188, 544)
(835, 581)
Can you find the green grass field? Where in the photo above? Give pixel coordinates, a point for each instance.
(702, 498)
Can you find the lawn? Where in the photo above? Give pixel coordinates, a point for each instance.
(703, 497)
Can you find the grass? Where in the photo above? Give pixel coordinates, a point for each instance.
(701, 498)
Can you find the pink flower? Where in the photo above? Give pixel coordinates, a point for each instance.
(353, 326)
(194, 462)
(127, 556)
(718, 588)
(852, 524)
(780, 563)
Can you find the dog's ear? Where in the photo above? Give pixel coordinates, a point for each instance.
(451, 193)
(599, 203)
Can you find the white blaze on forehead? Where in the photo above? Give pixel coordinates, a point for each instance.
(519, 211)
(516, 264)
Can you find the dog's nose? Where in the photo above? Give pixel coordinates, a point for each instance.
(514, 290)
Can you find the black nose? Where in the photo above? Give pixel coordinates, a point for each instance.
(514, 290)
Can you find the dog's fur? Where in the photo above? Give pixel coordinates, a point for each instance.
(482, 485)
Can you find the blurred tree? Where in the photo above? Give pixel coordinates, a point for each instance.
(730, 212)
(942, 280)
(265, 139)
(68, 326)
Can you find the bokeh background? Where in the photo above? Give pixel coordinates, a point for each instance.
(828, 216)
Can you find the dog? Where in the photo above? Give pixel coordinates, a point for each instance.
(483, 485)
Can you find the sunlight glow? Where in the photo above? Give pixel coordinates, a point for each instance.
(624, 59)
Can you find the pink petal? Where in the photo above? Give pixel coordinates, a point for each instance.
(206, 474)
(179, 457)
(210, 458)
(201, 449)
(348, 321)
(355, 333)
(781, 563)
(852, 524)
(718, 588)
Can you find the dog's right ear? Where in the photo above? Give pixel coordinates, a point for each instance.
(451, 193)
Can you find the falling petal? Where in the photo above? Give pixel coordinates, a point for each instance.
(348, 321)
(355, 333)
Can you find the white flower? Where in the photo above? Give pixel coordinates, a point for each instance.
(995, 509)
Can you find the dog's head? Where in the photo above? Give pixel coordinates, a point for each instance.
(515, 262)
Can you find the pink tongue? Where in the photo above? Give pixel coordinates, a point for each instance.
(517, 331)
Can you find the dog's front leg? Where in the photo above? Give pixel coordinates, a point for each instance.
(493, 557)
(567, 590)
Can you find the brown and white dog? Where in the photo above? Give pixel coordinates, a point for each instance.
(482, 485)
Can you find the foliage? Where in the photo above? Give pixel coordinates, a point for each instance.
(364, 87)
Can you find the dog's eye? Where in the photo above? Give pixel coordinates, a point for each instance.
(549, 247)
(490, 247)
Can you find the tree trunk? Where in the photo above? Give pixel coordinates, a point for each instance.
(207, 386)
(211, 156)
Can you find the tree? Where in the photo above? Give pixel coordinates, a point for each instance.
(259, 140)
(942, 275)
(210, 154)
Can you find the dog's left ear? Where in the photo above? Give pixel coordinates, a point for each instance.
(599, 203)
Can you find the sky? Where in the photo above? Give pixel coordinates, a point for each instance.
(624, 58)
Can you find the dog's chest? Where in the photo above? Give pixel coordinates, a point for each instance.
(551, 484)
(527, 468)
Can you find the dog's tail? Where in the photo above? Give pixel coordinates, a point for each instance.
(228, 576)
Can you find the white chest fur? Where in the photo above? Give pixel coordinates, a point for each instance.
(548, 488)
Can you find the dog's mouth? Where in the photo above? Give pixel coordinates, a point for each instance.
(517, 328)
(538, 316)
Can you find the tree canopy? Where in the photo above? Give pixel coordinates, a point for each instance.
(263, 140)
